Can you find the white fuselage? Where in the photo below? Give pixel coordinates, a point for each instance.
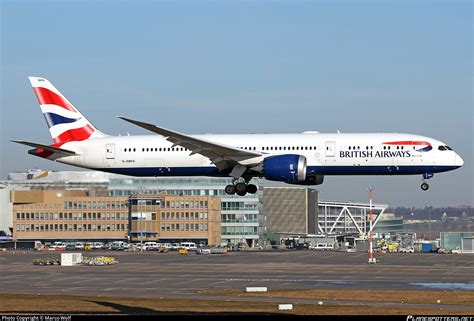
(326, 154)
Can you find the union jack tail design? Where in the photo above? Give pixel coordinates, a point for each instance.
(65, 122)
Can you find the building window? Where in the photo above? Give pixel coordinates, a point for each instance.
(167, 227)
(162, 227)
(187, 227)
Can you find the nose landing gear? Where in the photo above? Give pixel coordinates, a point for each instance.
(424, 185)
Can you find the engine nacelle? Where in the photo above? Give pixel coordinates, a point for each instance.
(310, 180)
(285, 168)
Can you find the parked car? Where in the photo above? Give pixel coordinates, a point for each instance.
(203, 250)
(79, 245)
(38, 246)
(118, 245)
(151, 246)
(302, 246)
(165, 245)
(70, 247)
(350, 249)
(97, 245)
(58, 245)
(323, 247)
(190, 246)
(456, 251)
(175, 246)
(407, 250)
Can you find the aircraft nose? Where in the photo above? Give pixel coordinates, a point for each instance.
(458, 161)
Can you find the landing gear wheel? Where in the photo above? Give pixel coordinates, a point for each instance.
(241, 189)
(230, 189)
(425, 186)
(252, 189)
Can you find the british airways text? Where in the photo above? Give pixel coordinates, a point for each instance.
(372, 154)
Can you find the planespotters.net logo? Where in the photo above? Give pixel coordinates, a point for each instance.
(442, 318)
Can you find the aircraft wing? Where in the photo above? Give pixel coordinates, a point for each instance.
(52, 149)
(223, 156)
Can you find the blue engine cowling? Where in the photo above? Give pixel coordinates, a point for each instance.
(311, 179)
(285, 168)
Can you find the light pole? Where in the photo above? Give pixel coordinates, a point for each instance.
(372, 260)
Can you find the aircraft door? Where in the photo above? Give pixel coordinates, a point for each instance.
(330, 149)
(110, 155)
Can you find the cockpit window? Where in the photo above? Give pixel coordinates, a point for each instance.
(442, 148)
(448, 148)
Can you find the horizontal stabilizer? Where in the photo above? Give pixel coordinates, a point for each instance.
(52, 149)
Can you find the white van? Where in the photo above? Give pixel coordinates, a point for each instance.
(323, 247)
(190, 246)
(151, 246)
(58, 245)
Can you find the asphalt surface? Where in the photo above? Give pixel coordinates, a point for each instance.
(171, 275)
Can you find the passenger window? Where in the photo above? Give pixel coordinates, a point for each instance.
(448, 148)
(442, 148)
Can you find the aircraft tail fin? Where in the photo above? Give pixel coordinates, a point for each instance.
(65, 122)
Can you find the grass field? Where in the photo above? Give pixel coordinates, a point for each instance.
(83, 305)
(388, 296)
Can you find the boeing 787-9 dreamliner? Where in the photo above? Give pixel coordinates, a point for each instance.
(303, 158)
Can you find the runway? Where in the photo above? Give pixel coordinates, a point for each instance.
(170, 275)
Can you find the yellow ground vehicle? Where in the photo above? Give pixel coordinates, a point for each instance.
(183, 251)
(88, 247)
(393, 247)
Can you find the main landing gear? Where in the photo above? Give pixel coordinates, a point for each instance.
(240, 188)
(424, 185)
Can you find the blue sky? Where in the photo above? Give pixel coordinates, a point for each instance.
(250, 66)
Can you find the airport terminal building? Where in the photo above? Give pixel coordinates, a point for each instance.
(242, 218)
(73, 215)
